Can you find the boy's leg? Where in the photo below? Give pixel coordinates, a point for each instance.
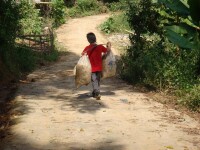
(96, 83)
(98, 96)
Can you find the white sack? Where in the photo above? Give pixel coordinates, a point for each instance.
(109, 65)
(82, 71)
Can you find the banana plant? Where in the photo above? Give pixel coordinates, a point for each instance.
(182, 25)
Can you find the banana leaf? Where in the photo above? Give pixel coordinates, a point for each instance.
(177, 29)
(177, 6)
(179, 40)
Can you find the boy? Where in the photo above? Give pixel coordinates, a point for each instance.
(94, 53)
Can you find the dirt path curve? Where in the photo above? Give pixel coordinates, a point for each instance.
(54, 116)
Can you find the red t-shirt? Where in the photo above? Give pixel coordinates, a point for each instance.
(95, 56)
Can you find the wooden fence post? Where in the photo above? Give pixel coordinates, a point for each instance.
(51, 39)
(43, 42)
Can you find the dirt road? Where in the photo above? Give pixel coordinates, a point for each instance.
(52, 115)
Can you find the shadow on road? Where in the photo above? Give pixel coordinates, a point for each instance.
(56, 145)
(56, 83)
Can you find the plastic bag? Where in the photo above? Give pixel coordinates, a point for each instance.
(109, 65)
(82, 71)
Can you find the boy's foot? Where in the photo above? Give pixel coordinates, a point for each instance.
(89, 94)
(93, 94)
(98, 97)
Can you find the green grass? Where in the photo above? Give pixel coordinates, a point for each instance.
(24, 59)
(117, 23)
(87, 8)
(52, 56)
(120, 5)
(191, 97)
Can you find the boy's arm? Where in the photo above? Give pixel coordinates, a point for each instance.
(84, 52)
(108, 45)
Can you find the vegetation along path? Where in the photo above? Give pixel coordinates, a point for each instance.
(53, 115)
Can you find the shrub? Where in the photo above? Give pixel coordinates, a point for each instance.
(116, 23)
(21, 60)
(142, 19)
(8, 27)
(30, 21)
(109, 1)
(25, 59)
(58, 12)
(8, 24)
(119, 5)
(155, 60)
(108, 26)
(191, 98)
(86, 8)
(52, 56)
(69, 3)
(165, 50)
(19, 18)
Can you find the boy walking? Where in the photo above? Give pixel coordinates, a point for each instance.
(94, 53)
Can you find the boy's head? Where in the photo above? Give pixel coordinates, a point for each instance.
(91, 37)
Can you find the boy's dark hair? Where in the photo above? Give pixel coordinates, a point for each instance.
(91, 37)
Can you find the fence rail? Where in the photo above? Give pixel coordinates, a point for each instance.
(42, 43)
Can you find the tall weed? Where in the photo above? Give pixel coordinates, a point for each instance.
(191, 98)
(115, 24)
(25, 59)
(21, 60)
(86, 8)
(52, 56)
(119, 5)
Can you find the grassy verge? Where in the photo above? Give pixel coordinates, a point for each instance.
(159, 69)
(87, 8)
(117, 23)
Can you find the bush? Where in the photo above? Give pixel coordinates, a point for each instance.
(141, 62)
(69, 3)
(8, 24)
(142, 19)
(8, 28)
(30, 21)
(86, 8)
(19, 18)
(119, 5)
(58, 12)
(108, 26)
(21, 60)
(117, 23)
(191, 98)
(155, 60)
(161, 60)
(52, 56)
(109, 1)
(25, 59)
